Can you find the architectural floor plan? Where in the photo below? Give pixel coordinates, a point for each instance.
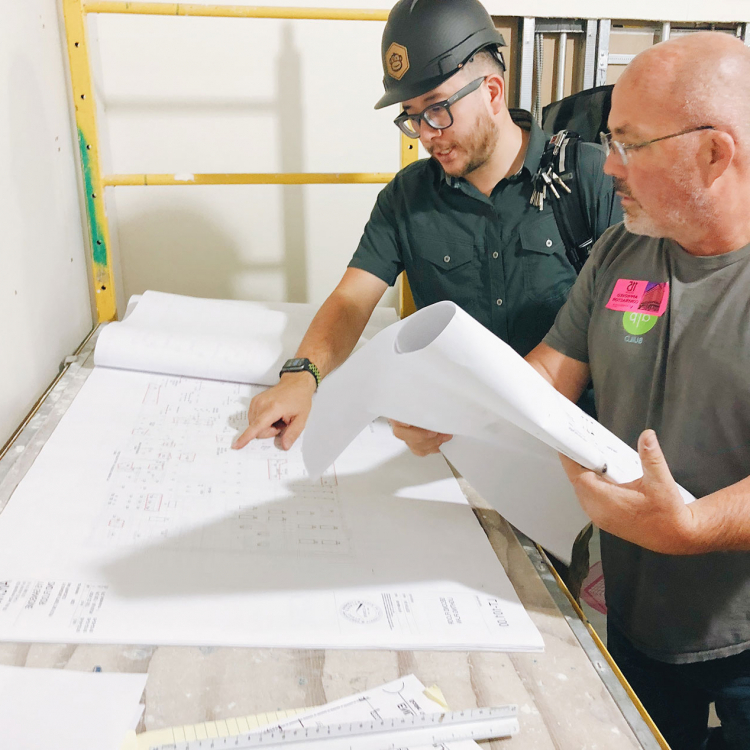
(138, 524)
(176, 469)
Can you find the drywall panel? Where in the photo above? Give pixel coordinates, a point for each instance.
(184, 95)
(187, 95)
(231, 242)
(44, 299)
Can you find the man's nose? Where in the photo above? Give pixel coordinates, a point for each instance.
(427, 132)
(613, 165)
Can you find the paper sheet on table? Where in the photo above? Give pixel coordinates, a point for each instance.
(405, 696)
(238, 341)
(67, 710)
(137, 524)
(441, 370)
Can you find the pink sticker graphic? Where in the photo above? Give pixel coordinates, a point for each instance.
(650, 297)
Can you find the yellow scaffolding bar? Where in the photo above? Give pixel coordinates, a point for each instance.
(88, 144)
(237, 178)
(75, 12)
(235, 11)
(406, 305)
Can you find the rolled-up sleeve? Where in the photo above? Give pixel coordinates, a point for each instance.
(378, 251)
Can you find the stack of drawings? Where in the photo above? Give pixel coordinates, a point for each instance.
(137, 523)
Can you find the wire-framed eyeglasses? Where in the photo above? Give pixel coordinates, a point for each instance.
(437, 115)
(622, 148)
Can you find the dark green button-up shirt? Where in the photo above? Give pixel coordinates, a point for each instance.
(498, 257)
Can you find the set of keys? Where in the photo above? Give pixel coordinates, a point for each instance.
(547, 177)
(543, 180)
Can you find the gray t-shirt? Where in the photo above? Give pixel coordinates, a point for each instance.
(680, 364)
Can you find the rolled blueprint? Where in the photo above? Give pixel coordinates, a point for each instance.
(230, 340)
(441, 370)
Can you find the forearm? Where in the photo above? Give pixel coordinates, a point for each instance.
(283, 409)
(333, 333)
(569, 376)
(721, 521)
(539, 365)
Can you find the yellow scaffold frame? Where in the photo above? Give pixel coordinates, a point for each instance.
(75, 12)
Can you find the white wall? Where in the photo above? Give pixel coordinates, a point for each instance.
(44, 299)
(213, 95)
(186, 95)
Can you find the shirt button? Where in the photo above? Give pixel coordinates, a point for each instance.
(548, 243)
(499, 302)
(447, 259)
(494, 255)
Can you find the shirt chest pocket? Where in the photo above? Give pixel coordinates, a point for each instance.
(547, 273)
(441, 268)
(443, 252)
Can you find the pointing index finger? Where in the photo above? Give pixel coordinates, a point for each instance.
(255, 430)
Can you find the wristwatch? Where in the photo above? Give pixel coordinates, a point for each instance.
(301, 365)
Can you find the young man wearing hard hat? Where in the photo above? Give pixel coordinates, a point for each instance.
(462, 224)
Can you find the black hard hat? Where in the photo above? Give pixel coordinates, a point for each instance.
(426, 41)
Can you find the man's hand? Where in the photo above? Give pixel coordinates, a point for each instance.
(281, 410)
(649, 512)
(421, 442)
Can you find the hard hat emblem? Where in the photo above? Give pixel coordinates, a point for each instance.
(396, 61)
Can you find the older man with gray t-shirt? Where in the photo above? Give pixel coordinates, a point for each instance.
(660, 320)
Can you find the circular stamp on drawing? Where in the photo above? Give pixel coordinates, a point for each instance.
(362, 612)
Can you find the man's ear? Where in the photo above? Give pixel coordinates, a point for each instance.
(496, 88)
(716, 155)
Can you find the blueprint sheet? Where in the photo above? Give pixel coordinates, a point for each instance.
(233, 340)
(138, 524)
(441, 370)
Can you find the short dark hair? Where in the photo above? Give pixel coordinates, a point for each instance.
(490, 59)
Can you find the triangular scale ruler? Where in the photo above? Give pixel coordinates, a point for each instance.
(421, 730)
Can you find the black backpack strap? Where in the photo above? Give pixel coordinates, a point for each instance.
(558, 182)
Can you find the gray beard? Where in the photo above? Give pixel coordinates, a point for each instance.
(642, 224)
(692, 210)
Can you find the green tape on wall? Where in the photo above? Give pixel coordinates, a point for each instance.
(99, 247)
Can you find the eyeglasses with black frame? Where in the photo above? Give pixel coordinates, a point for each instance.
(438, 115)
(622, 149)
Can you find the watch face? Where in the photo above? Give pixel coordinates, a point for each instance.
(295, 363)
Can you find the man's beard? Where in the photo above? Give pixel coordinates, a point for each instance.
(480, 145)
(690, 209)
(636, 220)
